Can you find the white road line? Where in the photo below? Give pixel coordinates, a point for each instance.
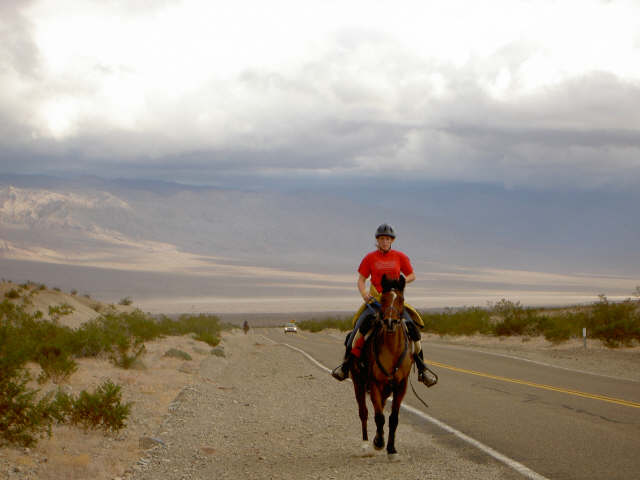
(517, 466)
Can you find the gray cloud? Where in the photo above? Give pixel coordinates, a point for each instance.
(18, 51)
(361, 105)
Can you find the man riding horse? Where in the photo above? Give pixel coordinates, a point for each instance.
(392, 263)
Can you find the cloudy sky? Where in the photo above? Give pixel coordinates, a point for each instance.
(533, 94)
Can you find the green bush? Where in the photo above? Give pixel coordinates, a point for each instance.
(342, 323)
(57, 365)
(465, 321)
(126, 352)
(58, 311)
(175, 353)
(13, 293)
(206, 328)
(615, 324)
(125, 301)
(101, 409)
(23, 418)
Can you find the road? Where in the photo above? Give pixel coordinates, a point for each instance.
(559, 423)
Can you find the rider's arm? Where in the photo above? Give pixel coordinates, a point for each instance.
(362, 287)
(410, 278)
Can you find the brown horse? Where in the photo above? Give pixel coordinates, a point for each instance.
(386, 365)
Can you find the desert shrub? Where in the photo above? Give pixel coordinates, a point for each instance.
(57, 289)
(14, 350)
(126, 351)
(615, 324)
(139, 325)
(24, 414)
(13, 293)
(342, 323)
(23, 417)
(90, 340)
(175, 353)
(74, 292)
(42, 287)
(125, 301)
(465, 321)
(101, 409)
(205, 328)
(57, 365)
(515, 319)
(58, 311)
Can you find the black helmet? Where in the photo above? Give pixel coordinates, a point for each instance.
(385, 229)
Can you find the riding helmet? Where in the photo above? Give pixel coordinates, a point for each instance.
(386, 230)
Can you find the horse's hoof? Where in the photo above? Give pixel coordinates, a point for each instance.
(365, 450)
(393, 457)
(378, 443)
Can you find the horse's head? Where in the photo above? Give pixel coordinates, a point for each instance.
(392, 302)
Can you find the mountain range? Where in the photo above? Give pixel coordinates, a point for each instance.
(159, 240)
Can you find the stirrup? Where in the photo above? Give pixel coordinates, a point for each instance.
(340, 373)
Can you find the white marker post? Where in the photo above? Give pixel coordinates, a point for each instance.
(584, 337)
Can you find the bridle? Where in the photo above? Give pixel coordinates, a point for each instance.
(390, 318)
(393, 315)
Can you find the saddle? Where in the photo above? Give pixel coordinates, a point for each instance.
(362, 361)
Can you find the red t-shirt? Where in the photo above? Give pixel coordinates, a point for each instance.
(377, 263)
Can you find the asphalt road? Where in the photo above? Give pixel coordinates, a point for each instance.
(559, 423)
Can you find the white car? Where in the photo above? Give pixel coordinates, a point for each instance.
(290, 327)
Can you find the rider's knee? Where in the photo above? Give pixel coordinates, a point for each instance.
(413, 330)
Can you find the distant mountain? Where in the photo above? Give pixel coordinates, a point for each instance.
(255, 250)
(92, 221)
(85, 223)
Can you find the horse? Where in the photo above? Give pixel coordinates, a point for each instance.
(385, 365)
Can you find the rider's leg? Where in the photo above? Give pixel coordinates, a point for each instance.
(425, 375)
(354, 344)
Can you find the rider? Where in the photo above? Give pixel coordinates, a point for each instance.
(375, 264)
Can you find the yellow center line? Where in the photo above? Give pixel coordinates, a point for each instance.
(626, 403)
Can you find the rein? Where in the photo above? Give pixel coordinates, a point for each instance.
(398, 362)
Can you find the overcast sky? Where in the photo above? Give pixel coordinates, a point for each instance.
(542, 94)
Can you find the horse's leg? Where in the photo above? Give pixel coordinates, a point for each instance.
(398, 396)
(378, 406)
(361, 398)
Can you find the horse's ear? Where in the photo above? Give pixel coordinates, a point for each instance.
(402, 282)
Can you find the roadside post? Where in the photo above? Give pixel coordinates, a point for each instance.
(584, 337)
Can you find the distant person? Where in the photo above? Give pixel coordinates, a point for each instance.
(374, 265)
(245, 327)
